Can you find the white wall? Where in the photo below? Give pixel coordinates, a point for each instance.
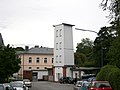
(41, 74)
(68, 46)
(68, 72)
(58, 73)
(63, 33)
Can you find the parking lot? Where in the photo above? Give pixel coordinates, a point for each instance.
(45, 85)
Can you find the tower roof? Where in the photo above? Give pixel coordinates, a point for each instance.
(64, 24)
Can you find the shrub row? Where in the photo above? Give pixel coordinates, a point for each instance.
(112, 74)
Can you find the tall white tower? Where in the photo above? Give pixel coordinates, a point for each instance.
(63, 50)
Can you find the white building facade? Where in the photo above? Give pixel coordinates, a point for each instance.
(63, 51)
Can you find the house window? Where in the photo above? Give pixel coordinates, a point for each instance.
(37, 67)
(56, 33)
(45, 60)
(30, 67)
(37, 60)
(60, 33)
(30, 59)
(52, 60)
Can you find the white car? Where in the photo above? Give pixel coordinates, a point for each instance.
(79, 83)
(27, 82)
(18, 85)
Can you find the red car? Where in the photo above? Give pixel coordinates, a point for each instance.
(100, 85)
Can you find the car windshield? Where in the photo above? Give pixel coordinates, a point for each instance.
(1, 87)
(102, 84)
(26, 80)
(17, 84)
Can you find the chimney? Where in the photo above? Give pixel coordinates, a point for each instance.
(26, 48)
(36, 46)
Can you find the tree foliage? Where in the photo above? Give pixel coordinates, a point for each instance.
(114, 53)
(83, 54)
(9, 62)
(102, 44)
(114, 8)
(19, 49)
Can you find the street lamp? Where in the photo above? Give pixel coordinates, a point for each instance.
(101, 42)
(86, 30)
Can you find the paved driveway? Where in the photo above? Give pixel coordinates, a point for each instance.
(44, 85)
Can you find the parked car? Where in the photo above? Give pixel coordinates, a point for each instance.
(27, 82)
(91, 79)
(79, 83)
(100, 85)
(19, 85)
(66, 80)
(6, 86)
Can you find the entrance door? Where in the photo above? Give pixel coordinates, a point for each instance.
(34, 76)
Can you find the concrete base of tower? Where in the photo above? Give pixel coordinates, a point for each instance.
(61, 71)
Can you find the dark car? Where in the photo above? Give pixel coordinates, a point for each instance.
(66, 80)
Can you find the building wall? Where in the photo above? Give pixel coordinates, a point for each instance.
(41, 74)
(76, 74)
(26, 66)
(63, 45)
(63, 50)
(68, 72)
(58, 46)
(58, 73)
(68, 46)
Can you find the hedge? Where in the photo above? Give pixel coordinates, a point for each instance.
(112, 74)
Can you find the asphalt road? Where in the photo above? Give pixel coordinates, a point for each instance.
(44, 85)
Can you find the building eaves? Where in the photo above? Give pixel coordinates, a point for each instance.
(64, 24)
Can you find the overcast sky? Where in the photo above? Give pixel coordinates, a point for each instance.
(30, 22)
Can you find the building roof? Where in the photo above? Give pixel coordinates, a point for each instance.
(37, 50)
(64, 24)
(1, 40)
(86, 68)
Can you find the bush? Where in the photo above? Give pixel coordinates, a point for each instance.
(112, 74)
(114, 79)
(104, 72)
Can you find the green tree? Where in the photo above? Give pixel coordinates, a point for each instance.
(85, 47)
(19, 49)
(80, 59)
(83, 54)
(114, 53)
(102, 44)
(114, 7)
(9, 62)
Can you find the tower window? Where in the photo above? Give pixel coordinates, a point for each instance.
(56, 46)
(56, 33)
(60, 33)
(60, 45)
